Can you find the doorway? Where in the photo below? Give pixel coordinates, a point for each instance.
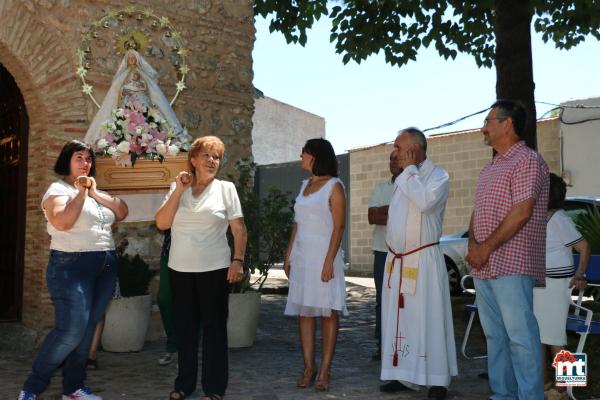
(14, 127)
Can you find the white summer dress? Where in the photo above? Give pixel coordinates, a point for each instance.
(308, 296)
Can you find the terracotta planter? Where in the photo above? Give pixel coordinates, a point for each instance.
(146, 176)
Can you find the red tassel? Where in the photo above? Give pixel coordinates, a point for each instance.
(395, 363)
(401, 301)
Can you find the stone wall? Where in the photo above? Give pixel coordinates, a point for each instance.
(463, 154)
(38, 40)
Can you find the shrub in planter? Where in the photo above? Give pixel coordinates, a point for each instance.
(588, 223)
(134, 276)
(268, 222)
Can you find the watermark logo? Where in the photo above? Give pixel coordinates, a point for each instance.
(571, 368)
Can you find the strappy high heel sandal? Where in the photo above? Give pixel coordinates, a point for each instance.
(307, 379)
(322, 384)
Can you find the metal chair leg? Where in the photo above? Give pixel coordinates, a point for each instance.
(463, 347)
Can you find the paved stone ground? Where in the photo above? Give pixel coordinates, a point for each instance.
(269, 369)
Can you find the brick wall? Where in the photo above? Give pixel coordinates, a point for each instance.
(462, 154)
(38, 40)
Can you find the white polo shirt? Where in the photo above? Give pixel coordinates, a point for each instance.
(561, 236)
(381, 195)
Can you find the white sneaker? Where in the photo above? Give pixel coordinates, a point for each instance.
(81, 394)
(27, 396)
(166, 358)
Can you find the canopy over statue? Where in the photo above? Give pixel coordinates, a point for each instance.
(134, 83)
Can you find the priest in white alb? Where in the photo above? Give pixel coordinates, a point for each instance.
(418, 347)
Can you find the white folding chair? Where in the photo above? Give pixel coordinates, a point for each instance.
(472, 309)
(582, 321)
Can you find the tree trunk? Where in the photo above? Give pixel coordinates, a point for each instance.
(514, 71)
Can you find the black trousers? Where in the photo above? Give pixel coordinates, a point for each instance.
(201, 299)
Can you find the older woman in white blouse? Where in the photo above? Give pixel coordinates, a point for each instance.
(199, 211)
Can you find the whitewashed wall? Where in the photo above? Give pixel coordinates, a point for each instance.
(280, 130)
(581, 147)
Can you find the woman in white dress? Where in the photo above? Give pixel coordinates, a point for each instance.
(314, 262)
(551, 303)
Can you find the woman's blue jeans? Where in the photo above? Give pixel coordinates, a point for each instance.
(81, 284)
(505, 306)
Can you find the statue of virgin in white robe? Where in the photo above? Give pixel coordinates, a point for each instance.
(134, 82)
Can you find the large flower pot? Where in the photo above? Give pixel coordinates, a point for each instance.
(146, 176)
(244, 310)
(127, 320)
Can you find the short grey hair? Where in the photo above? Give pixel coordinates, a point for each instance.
(416, 136)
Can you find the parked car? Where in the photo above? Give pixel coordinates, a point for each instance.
(454, 246)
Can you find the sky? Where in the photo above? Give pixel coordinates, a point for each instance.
(366, 104)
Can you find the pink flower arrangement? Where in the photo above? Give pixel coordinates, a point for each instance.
(139, 132)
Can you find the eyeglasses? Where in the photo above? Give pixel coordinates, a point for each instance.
(487, 120)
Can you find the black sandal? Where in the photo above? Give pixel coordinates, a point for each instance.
(176, 395)
(213, 396)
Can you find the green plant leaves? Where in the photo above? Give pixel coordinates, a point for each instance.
(588, 223)
(134, 276)
(268, 222)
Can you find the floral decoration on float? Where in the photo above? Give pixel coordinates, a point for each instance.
(139, 131)
(135, 124)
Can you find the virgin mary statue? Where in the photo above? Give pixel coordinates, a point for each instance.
(134, 82)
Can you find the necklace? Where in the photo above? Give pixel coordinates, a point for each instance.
(101, 216)
(314, 180)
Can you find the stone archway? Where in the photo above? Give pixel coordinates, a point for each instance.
(45, 76)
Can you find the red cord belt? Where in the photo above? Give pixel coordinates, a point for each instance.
(400, 256)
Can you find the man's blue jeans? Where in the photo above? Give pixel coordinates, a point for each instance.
(378, 272)
(81, 284)
(505, 307)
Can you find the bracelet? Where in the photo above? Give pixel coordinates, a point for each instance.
(238, 259)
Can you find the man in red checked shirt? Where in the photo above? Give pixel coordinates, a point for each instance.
(507, 241)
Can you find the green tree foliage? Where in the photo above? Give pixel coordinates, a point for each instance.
(496, 33)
